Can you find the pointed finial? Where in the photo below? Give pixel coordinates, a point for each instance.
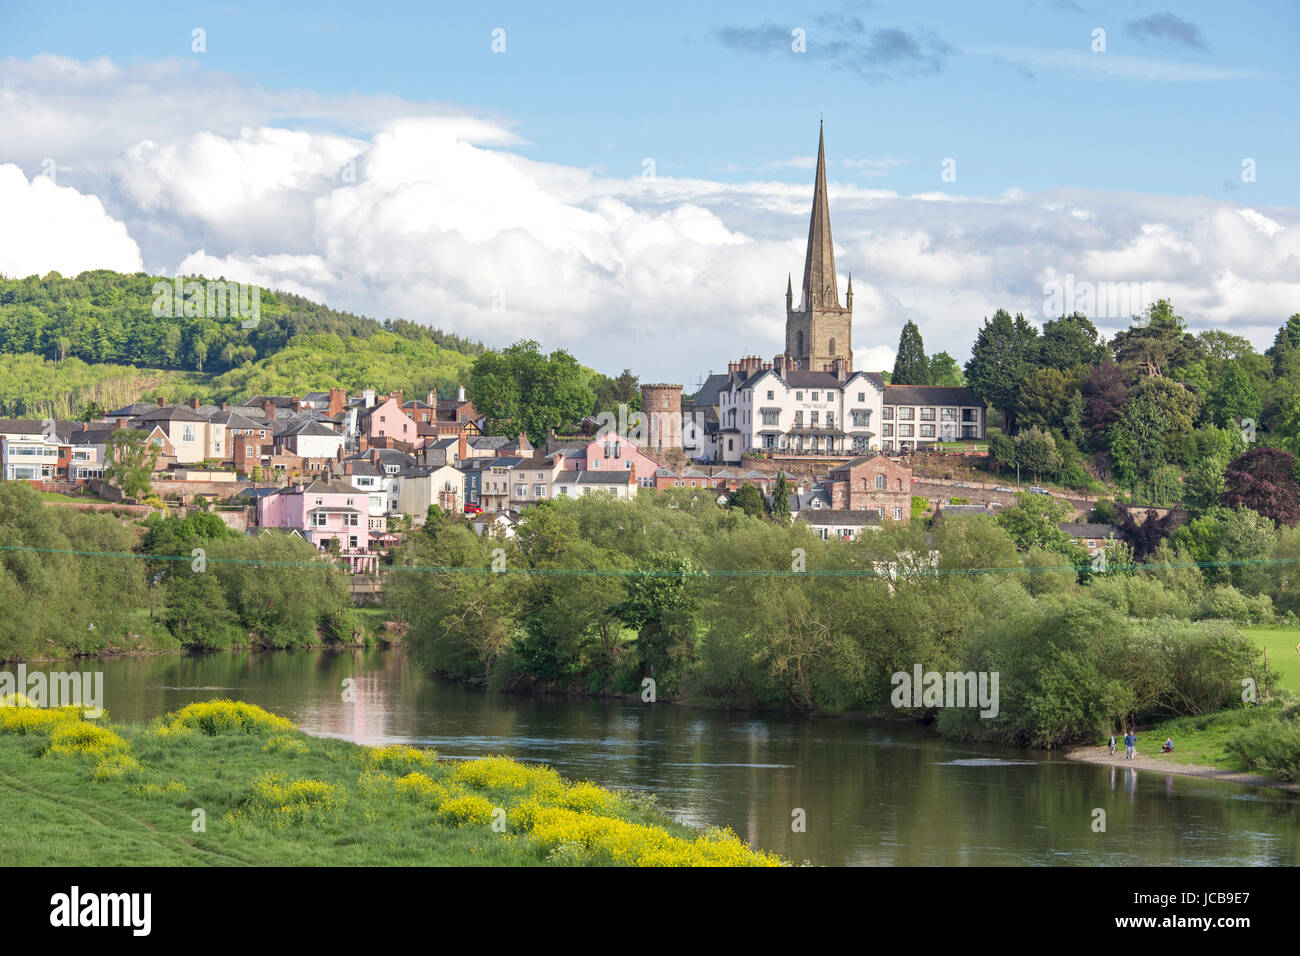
(789, 283)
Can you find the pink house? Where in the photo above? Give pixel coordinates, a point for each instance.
(323, 511)
(387, 420)
(613, 452)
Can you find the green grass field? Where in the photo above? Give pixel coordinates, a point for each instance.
(78, 792)
(1202, 740)
(1283, 659)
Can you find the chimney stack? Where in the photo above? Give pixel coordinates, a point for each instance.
(223, 406)
(295, 404)
(460, 393)
(461, 446)
(194, 404)
(338, 399)
(268, 407)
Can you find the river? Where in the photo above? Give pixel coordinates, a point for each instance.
(871, 793)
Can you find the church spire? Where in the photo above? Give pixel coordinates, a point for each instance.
(819, 287)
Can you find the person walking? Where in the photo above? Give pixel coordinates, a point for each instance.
(1112, 745)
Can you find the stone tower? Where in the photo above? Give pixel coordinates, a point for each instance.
(661, 407)
(820, 330)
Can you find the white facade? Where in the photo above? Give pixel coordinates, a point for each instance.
(801, 413)
(28, 456)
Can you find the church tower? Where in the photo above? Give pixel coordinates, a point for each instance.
(820, 330)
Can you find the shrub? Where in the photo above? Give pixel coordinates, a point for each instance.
(217, 717)
(464, 810)
(115, 766)
(291, 803)
(1272, 748)
(399, 758)
(502, 773)
(84, 739)
(19, 717)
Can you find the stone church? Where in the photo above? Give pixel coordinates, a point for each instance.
(820, 330)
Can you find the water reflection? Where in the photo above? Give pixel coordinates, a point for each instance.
(874, 794)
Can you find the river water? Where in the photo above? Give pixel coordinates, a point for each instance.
(870, 793)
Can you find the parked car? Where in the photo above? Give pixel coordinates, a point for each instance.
(961, 484)
(1035, 490)
(473, 510)
(1004, 488)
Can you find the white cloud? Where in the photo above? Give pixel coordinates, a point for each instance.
(46, 227)
(445, 223)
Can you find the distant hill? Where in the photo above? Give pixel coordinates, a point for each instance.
(108, 317)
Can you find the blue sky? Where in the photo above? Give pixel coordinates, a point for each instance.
(707, 92)
(382, 158)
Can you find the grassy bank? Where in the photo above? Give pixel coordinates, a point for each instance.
(79, 792)
(1263, 739)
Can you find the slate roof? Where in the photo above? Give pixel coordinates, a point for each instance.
(929, 395)
(1087, 529)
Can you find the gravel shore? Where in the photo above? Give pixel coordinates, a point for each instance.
(1165, 763)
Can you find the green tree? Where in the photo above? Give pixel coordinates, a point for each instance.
(1204, 484)
(1035, 523)
(1233, 397)
(130, 460)
(781, 498)
(944, 370)
(911, 367)
(1036, 451)
(1071, 343)
(748, 499)
(1005, 354)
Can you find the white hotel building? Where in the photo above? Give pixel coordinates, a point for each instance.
(770, 408)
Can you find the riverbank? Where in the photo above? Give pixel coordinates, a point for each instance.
(1166, 763)
(224, 783)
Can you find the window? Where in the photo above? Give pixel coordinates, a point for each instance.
(521, 491)
(798, 396)
(927, 414)
(887, 413)
(861, 417)
(887, 431)
(898, 514)
(539, 491)
(948, 414)
(353, 542)
(798, 419)
(904, 431)
(771, 417)
(862, 396)
(905, 414)
(830, 419)
(351, 520)
(812, 419)
(770, 396)
(814, 396)
(832, 346)
(319, 519)
(349, 502)
(618, 450)
(880, 482)
(188, 434)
